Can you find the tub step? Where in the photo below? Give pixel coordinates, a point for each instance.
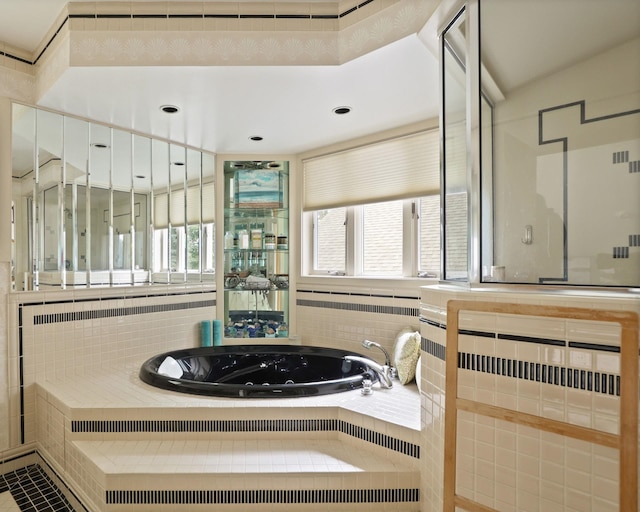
(261, 475)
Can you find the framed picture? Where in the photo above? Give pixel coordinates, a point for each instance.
(260, 188)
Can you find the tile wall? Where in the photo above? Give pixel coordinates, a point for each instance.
(54, 335)
(557, 368)
(344, 319)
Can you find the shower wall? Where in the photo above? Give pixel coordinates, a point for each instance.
(567, 159)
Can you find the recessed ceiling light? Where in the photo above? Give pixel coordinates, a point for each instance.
(170, 109)
(255, 138)
(99, 145)
(140, 176)
(341, 110)
(180, 164)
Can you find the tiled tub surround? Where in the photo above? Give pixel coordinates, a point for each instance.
(123, 445)
(557, 368)
(53, 335)
(360, 453)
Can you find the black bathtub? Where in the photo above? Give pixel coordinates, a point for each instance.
(256, 371)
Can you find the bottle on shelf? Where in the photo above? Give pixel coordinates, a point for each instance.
(228, 240)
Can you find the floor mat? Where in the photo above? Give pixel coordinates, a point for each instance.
(33, 491)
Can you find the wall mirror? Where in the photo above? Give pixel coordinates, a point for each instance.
(100, 206)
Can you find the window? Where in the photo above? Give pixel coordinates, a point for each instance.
(375, 210)
(382, 239)
(330, 240)
(379, 240)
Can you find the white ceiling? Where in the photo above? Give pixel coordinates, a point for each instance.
(221, 107)
(291, 106)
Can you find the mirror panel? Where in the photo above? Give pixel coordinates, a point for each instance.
(23, 155)
(48, 189)
(208, 241)
(142, 187)
(177, 213)
(76, 157)
(99, 204)
(193, 171)
(161, 249)
(105, 207)
(455, 184)
(122, 229)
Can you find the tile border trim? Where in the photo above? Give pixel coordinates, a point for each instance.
(256, 496)
(234, 426)
(183, 16)
(573, 378)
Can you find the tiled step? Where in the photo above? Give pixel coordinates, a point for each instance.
(261, 475)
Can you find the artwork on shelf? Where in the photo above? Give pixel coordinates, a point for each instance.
(258, 189)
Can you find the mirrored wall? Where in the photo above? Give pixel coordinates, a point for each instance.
(100, 206)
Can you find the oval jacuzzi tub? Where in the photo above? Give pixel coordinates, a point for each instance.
(256, 371)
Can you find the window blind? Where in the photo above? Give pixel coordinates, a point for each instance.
(403, 167)
(162, 208)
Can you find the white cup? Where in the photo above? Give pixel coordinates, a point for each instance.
(497, 273)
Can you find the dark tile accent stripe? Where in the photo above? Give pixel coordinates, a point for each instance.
(75, 316)
(13, 57)
(593, 346)
(587, 380)
(382, 440)
(311, 425)
(194, 16)
(531, 339)
(263, 496)
(620, 157)
(634, 166)
(432, 323)
(481, 334)
(433, 348)
(362, 308)
(119, 426)
(621, 252)
(21, 372)
(358, 294)
(634, 240)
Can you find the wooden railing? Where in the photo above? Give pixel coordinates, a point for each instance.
(627, 439)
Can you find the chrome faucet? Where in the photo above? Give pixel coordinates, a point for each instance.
(382, 370)
(387, 359)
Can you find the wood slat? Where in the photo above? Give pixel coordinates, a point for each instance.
(626, 441)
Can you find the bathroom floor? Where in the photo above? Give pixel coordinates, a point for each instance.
(30, 490)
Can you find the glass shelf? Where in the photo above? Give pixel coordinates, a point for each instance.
(256, 249)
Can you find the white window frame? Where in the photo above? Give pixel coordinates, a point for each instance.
(354, 245)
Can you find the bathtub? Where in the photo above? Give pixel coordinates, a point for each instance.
(256, 371)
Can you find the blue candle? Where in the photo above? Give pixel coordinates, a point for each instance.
(205, 333)
(217, 332)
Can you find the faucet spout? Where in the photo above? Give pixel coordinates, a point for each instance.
(369, 344)
(382, 370)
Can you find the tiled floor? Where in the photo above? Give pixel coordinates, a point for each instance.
(33, 491)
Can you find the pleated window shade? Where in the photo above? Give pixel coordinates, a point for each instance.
(162, 209)
(394, 169)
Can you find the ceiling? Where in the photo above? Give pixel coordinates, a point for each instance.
(291, 106)
(223, 106)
